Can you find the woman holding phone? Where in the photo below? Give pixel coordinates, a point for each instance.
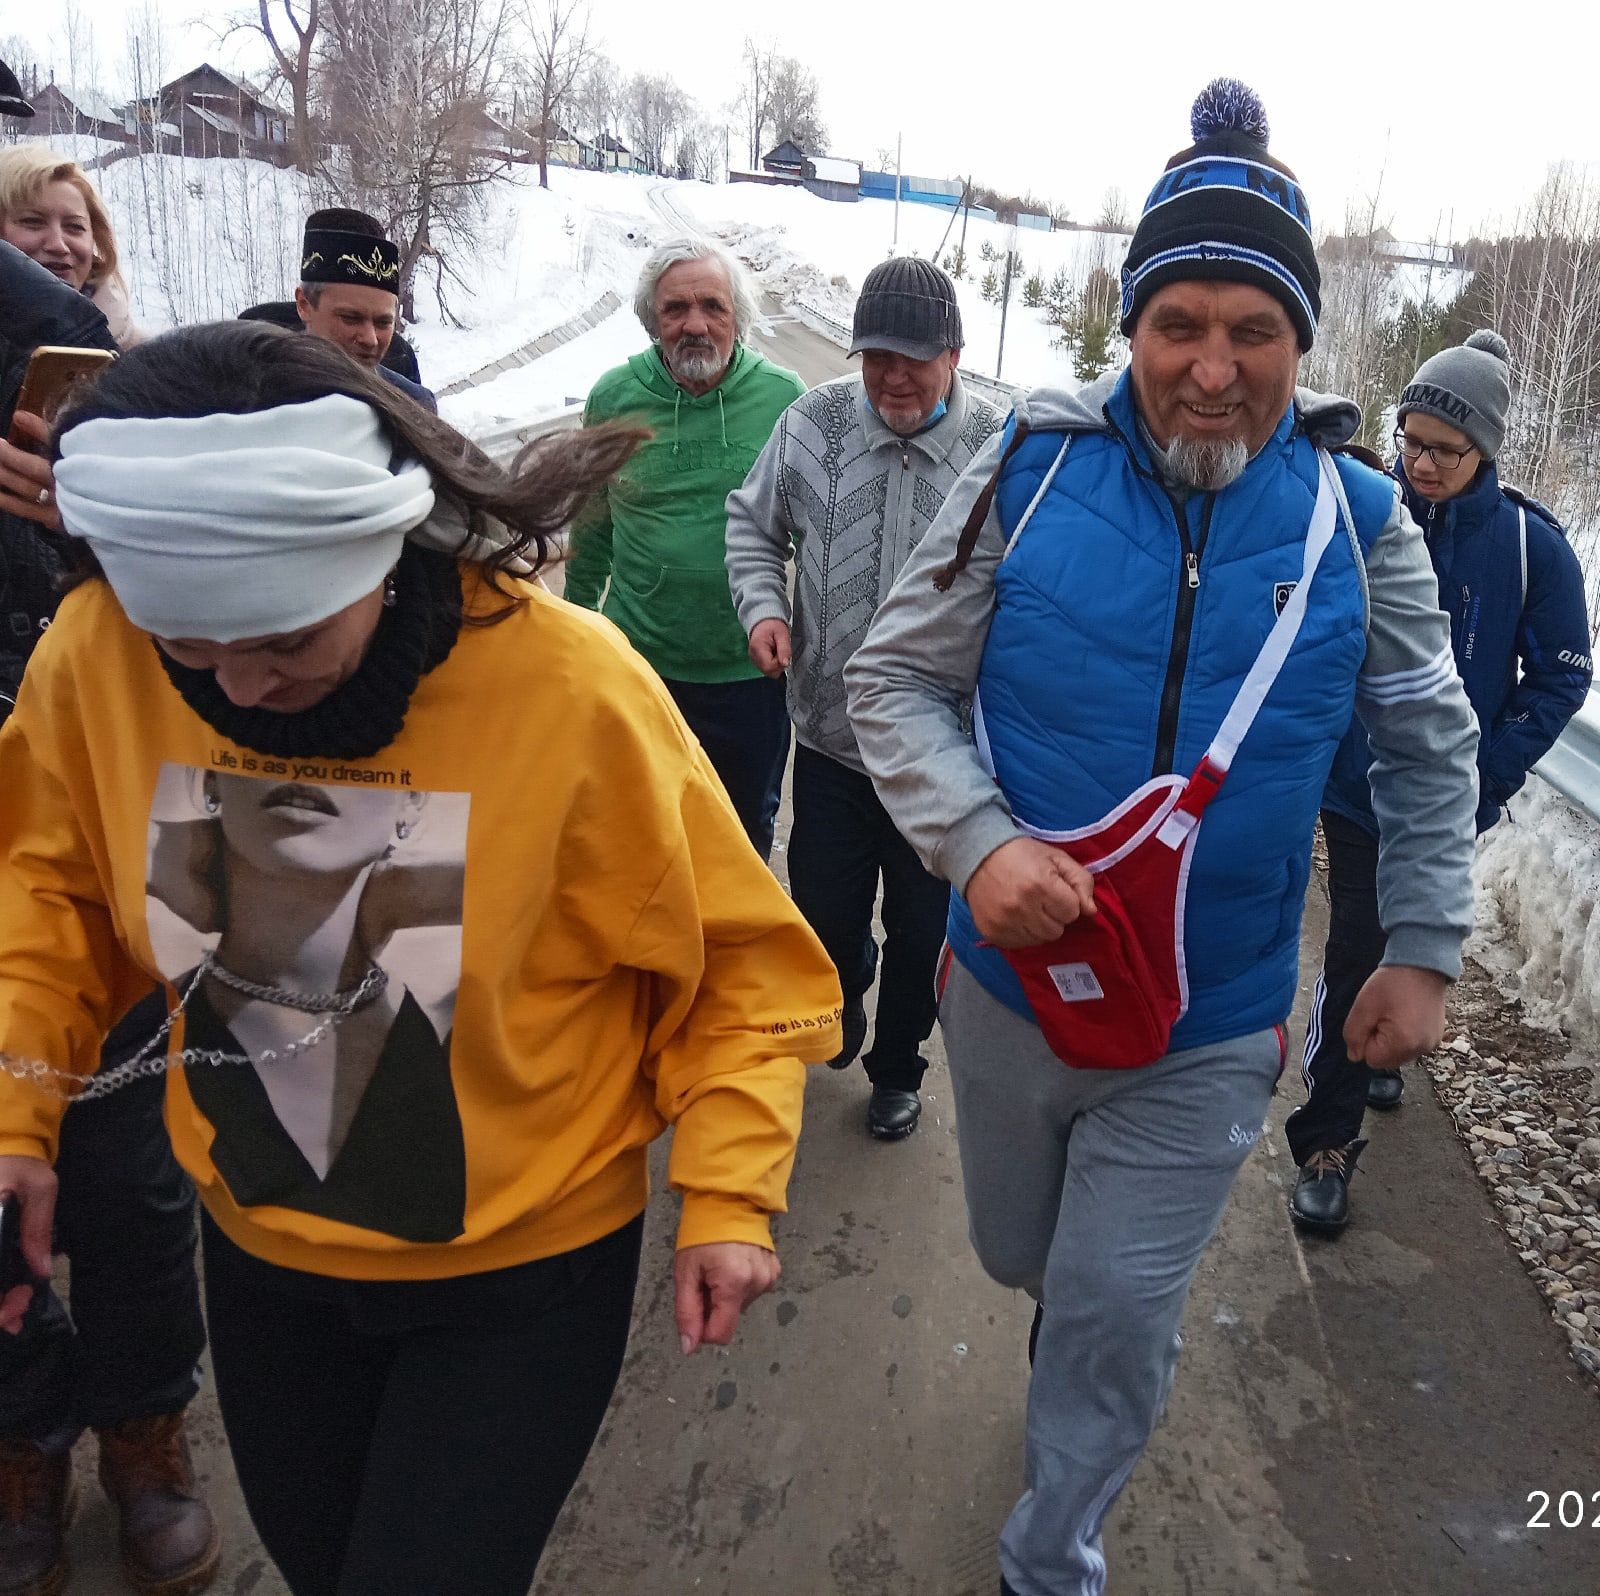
(125, 1361)
(418, 1120)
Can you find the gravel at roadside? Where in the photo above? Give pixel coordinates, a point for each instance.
(1529, 1115)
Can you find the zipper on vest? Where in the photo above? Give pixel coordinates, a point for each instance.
(1182, 626)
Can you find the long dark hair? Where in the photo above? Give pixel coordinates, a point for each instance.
(236, 367)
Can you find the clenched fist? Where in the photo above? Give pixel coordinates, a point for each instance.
(1027, 893)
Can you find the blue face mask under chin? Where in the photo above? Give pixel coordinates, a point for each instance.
(936, 415)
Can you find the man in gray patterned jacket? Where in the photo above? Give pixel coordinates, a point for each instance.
(849, 482)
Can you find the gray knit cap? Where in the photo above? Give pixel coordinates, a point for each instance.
(1468, 387)
(908, 307)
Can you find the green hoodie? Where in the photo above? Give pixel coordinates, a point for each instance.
(658, 530)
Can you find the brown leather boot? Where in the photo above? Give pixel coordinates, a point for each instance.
(36, 1502)
(168, 1538)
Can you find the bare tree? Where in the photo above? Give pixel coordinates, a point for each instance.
(293, 43)
(1354, 329)
(792, 105)
(1113, 211)
(655, 110)
(699, 151)
(559, 33)
(410, 83)
(597, 96)
(753, 104)
(1540, 288)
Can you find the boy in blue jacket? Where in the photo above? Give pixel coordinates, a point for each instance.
(1519, 632)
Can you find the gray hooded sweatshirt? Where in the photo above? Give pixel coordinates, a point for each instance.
(851, 500)
(911, 682)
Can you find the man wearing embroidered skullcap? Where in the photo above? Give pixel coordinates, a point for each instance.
(1519, 634)
(1102, 700)
(349, 293)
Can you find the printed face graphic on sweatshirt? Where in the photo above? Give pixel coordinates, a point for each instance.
(315, 932)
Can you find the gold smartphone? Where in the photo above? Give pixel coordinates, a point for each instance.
(52, 372)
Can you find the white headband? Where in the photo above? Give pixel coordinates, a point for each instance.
(226, 527)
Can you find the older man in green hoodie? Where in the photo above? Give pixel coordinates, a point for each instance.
(657, 535)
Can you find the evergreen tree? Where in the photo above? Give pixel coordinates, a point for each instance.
(956, 263)
(987, 251)
(1094, 347)
(1033, 292)
(1058, 296)
(990, 288)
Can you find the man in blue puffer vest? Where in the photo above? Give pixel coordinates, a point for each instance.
(1519, 631)
(1098, 587)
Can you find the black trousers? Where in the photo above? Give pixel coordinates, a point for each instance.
(744, 729)
(414, 1435)
(842, 843)
(125, 1219)
(1336, 1084)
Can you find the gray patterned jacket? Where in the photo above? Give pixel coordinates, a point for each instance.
(851, 500)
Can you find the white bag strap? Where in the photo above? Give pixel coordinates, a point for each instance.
(1269, 662)
(1522, 545)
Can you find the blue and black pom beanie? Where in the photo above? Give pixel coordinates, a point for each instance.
(1226, 210)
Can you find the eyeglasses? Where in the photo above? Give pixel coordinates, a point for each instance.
(1444, 459)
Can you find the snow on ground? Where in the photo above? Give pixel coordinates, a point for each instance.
(552, 382)
(820, 250)
(1538, 881)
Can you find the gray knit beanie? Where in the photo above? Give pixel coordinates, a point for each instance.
(1468, 387)
(908, 307)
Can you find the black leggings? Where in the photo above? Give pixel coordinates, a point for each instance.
(418, 1436)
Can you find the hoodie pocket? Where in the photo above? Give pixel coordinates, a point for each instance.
(690, 612)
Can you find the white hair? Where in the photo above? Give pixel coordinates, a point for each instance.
(675, 253)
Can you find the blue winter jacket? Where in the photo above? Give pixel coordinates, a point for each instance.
(1515, 599)
(1151, 609)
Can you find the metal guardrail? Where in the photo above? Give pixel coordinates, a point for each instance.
(1572, 767)
(606, 305)
(502, 440)
(830, 327)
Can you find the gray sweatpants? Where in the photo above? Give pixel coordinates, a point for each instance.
(1096, 1191)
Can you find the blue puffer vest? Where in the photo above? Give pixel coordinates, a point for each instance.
(1113, 657)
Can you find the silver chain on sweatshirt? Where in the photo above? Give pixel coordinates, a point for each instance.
(152, 1059)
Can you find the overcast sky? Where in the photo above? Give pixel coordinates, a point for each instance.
(1456, 110)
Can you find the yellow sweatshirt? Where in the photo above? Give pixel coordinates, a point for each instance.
(574, 944)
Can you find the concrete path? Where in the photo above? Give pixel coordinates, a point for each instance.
(1367, 1416)
(1363, 1417)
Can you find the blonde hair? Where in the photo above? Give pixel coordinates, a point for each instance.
(26, 170)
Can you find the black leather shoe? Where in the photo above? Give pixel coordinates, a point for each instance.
(1321, 1198)
(892, 1114)
(1385, 1088)
(853, 1022)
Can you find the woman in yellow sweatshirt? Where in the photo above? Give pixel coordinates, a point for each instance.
(454, 919)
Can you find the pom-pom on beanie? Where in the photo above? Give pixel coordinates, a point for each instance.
(1469, 388)
(1226, 210)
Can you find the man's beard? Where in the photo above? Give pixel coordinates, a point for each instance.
(1207, 465)
(695, 360)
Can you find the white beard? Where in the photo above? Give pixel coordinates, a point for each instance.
(694, 365)
(1207, 464)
